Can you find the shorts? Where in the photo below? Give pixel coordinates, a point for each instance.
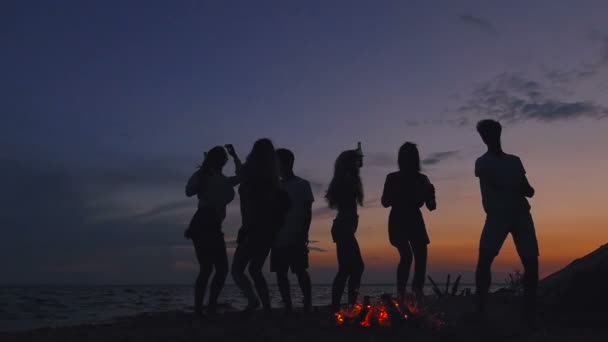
(521, 227)
(293, 257)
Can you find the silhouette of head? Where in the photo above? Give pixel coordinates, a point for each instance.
(346, 180)
(286, 160)
(490, 131)
(214, 160)
(262, 162)
(409, 158)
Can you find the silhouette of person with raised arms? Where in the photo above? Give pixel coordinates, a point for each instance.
(290, 248)
(214, 192)
(504, 188)
(263, 208)
(345, 192)
(406, 191)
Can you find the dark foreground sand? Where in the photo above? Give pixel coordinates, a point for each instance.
(502, 324)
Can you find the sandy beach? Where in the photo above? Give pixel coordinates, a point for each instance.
(503, 323)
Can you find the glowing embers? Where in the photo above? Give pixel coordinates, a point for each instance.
(387, 313)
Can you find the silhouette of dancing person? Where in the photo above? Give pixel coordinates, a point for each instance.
(290, 248)
(345, 192)
(263, 209)
(214, 192)
(504, 188)
(406, 191)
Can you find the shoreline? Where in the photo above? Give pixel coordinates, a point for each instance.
(503, 322)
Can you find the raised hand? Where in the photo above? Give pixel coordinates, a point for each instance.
(230, 150)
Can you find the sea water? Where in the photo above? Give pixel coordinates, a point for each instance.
(30, 307)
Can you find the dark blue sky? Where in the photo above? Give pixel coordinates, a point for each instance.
(107, 106)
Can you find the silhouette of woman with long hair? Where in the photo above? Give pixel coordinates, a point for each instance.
(345, 192)
(214, 192)
(263, 209)
(406, 191)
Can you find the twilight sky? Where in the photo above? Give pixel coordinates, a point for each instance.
(106, 108)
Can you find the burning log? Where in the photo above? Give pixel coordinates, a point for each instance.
(394, 314)
(365, 312)
(387, 313)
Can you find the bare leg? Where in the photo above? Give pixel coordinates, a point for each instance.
(403, 269)
(205, 270)
(354, 281)
(530, 283)
(337, 289)
(284, 289)
(306, 287)
(201, 286)
(217, 284)
(420, 256)
(255, 270)
(483, 277)
(239, 263)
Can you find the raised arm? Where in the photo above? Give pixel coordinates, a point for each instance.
(234, 180)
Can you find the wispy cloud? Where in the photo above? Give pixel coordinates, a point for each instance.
(380, 159)
(586, 69)
(511, 97)
(478, 23)
(437, 157)
(163, 209)
(384, 160)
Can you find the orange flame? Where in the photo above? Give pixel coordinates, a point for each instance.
(383, 318)
(383, 314)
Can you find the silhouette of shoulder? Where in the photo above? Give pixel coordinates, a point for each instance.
(299, 188)
(489, 160)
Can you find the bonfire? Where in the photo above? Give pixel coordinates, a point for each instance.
(389, 312)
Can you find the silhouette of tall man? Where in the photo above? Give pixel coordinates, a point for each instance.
(290, 248)
(504, 188)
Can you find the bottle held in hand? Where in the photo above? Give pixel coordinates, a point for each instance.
(359, 151)
(230, 149)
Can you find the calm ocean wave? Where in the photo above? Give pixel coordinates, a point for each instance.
(31, 307)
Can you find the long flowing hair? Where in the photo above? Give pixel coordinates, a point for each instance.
(214, 160)
(261, 164)
(346, 181)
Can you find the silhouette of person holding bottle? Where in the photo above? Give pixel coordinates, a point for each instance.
(344, 194)
(504, 189)
(214, 191)
(406, 191)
